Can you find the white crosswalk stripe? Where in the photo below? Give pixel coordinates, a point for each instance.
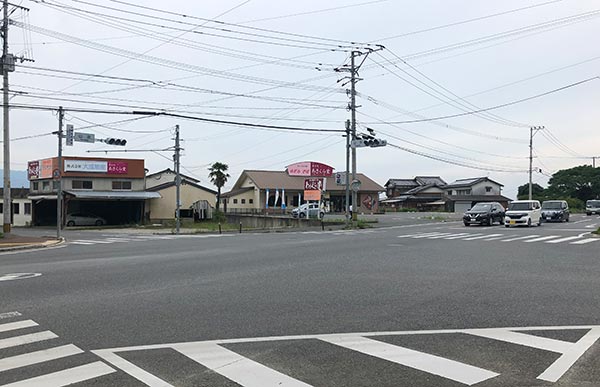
(107, 239)
(505, 237)
(32, 358)
(221, 358)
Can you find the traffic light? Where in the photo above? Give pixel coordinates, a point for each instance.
(115, 141)
(368, 142)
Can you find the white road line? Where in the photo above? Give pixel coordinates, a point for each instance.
(26, 339)
(17, 325)
(544, 238)
(6, 315)
(118, 240)
(527, 340)
(464, 236)
(569, 357)
(81, 243)
(66, 377)
(564, 239)
(437, 234)
(88, 241)
(457, 236)
(130, 368)
(483, 236)
(442, 235)
(235, 367)
(417, 234)
(495, 238)
(446, 368)
(585, 241)
(519, 238)
(9, 363)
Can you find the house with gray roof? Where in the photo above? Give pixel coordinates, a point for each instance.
(463, 194)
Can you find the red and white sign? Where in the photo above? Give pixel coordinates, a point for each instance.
(117, 168)
(312, 195)
(310, 168)
(314, 184)
(46, 169)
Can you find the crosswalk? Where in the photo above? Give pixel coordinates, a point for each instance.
(25, 348)
(104, 240)
(383, 358)
(583, 239)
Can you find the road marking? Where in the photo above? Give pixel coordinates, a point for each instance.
(449, 369)
(421, 234)
(459, 236)
(570, 356)
(130, 368)
(89, 242)
(495, 238)
(544, 238)
(585, 241)
(17, 276)
(9, 315)
(66, 377)
(564, 239)
(483, 236)
(27, 339)
(519, 238)
(442, 235)
(233, 366)
(434, 235)
(9, 363)
(81, 243)
(527, 340)
(17, 325)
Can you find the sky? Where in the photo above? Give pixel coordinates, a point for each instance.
(475, 76)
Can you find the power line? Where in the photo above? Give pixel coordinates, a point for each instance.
(499, 106)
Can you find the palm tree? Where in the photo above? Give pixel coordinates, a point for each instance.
(218, 176)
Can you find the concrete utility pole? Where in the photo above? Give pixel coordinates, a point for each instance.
(347, 172)
(177, 180)
(59, 201)
(532, 131)
(353, 80)
(5, 69)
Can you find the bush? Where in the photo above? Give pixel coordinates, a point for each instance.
(219, 217)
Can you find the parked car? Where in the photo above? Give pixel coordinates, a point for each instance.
(523, 213)
(592, 207)
(83, 219)
(555, 210)
(485, 214)
(312, 209)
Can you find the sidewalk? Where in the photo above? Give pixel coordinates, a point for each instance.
(16, 242)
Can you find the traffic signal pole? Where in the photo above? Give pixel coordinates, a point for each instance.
(59, 201)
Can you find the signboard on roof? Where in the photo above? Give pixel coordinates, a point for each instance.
(314, 184)
(33, 170)
(310, 168)
(46, 169)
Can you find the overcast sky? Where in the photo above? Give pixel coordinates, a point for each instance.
(273, 64)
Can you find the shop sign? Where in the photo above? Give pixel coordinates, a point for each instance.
(117, 168)
(46, 169)
(314, 184)
(321, 170)
(299, 169)
(312, 195)
(86, 166)
(33, 170)
(309, 168)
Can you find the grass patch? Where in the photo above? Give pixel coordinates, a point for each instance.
(597, 232)
(1, 235)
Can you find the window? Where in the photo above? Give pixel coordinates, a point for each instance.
(234, 201)
(27, 209)
(251, 201)
(46, 186)
(16, 208)
(243, 201)
(463, 192)
(35, 186)
(450, 192)
(1, 208)
(488, 189)
(81, 184)
(121, 185)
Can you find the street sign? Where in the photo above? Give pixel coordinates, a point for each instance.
(69, 136)
(355, 185)
(84, 137)
(340, 178)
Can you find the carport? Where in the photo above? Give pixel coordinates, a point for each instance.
(114, 206)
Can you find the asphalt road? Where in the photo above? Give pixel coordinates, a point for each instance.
(413, 303)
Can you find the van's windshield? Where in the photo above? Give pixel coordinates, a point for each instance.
(520, 206)
(593, 204)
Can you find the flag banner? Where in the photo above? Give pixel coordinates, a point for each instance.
(267, 199)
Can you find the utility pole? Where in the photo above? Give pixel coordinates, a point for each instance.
(594, 161)
(5, 69)
(177, 180)
(59, 201)
(532, 131)
(347, 172)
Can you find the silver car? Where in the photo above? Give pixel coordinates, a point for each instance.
(83, 219)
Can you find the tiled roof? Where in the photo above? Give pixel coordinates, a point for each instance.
(183, 182)
(402, 182)
(470, 182)
(17, 193)
(426, 180)
(478, 198)
(280, 179)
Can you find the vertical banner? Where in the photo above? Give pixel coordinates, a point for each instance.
(299, 198)
(283, 198)
(276, 197)
(267, 199)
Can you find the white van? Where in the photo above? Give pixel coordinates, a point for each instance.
(524, 213)
(592, 207)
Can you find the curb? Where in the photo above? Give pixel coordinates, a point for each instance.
(32, 246)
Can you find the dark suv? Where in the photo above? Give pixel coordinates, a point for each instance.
(557, 210)
(484, 214)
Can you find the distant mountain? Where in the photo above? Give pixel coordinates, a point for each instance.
(18, 179)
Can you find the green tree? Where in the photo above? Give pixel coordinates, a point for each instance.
(218, 176)
(581, 182)
(537, 191)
